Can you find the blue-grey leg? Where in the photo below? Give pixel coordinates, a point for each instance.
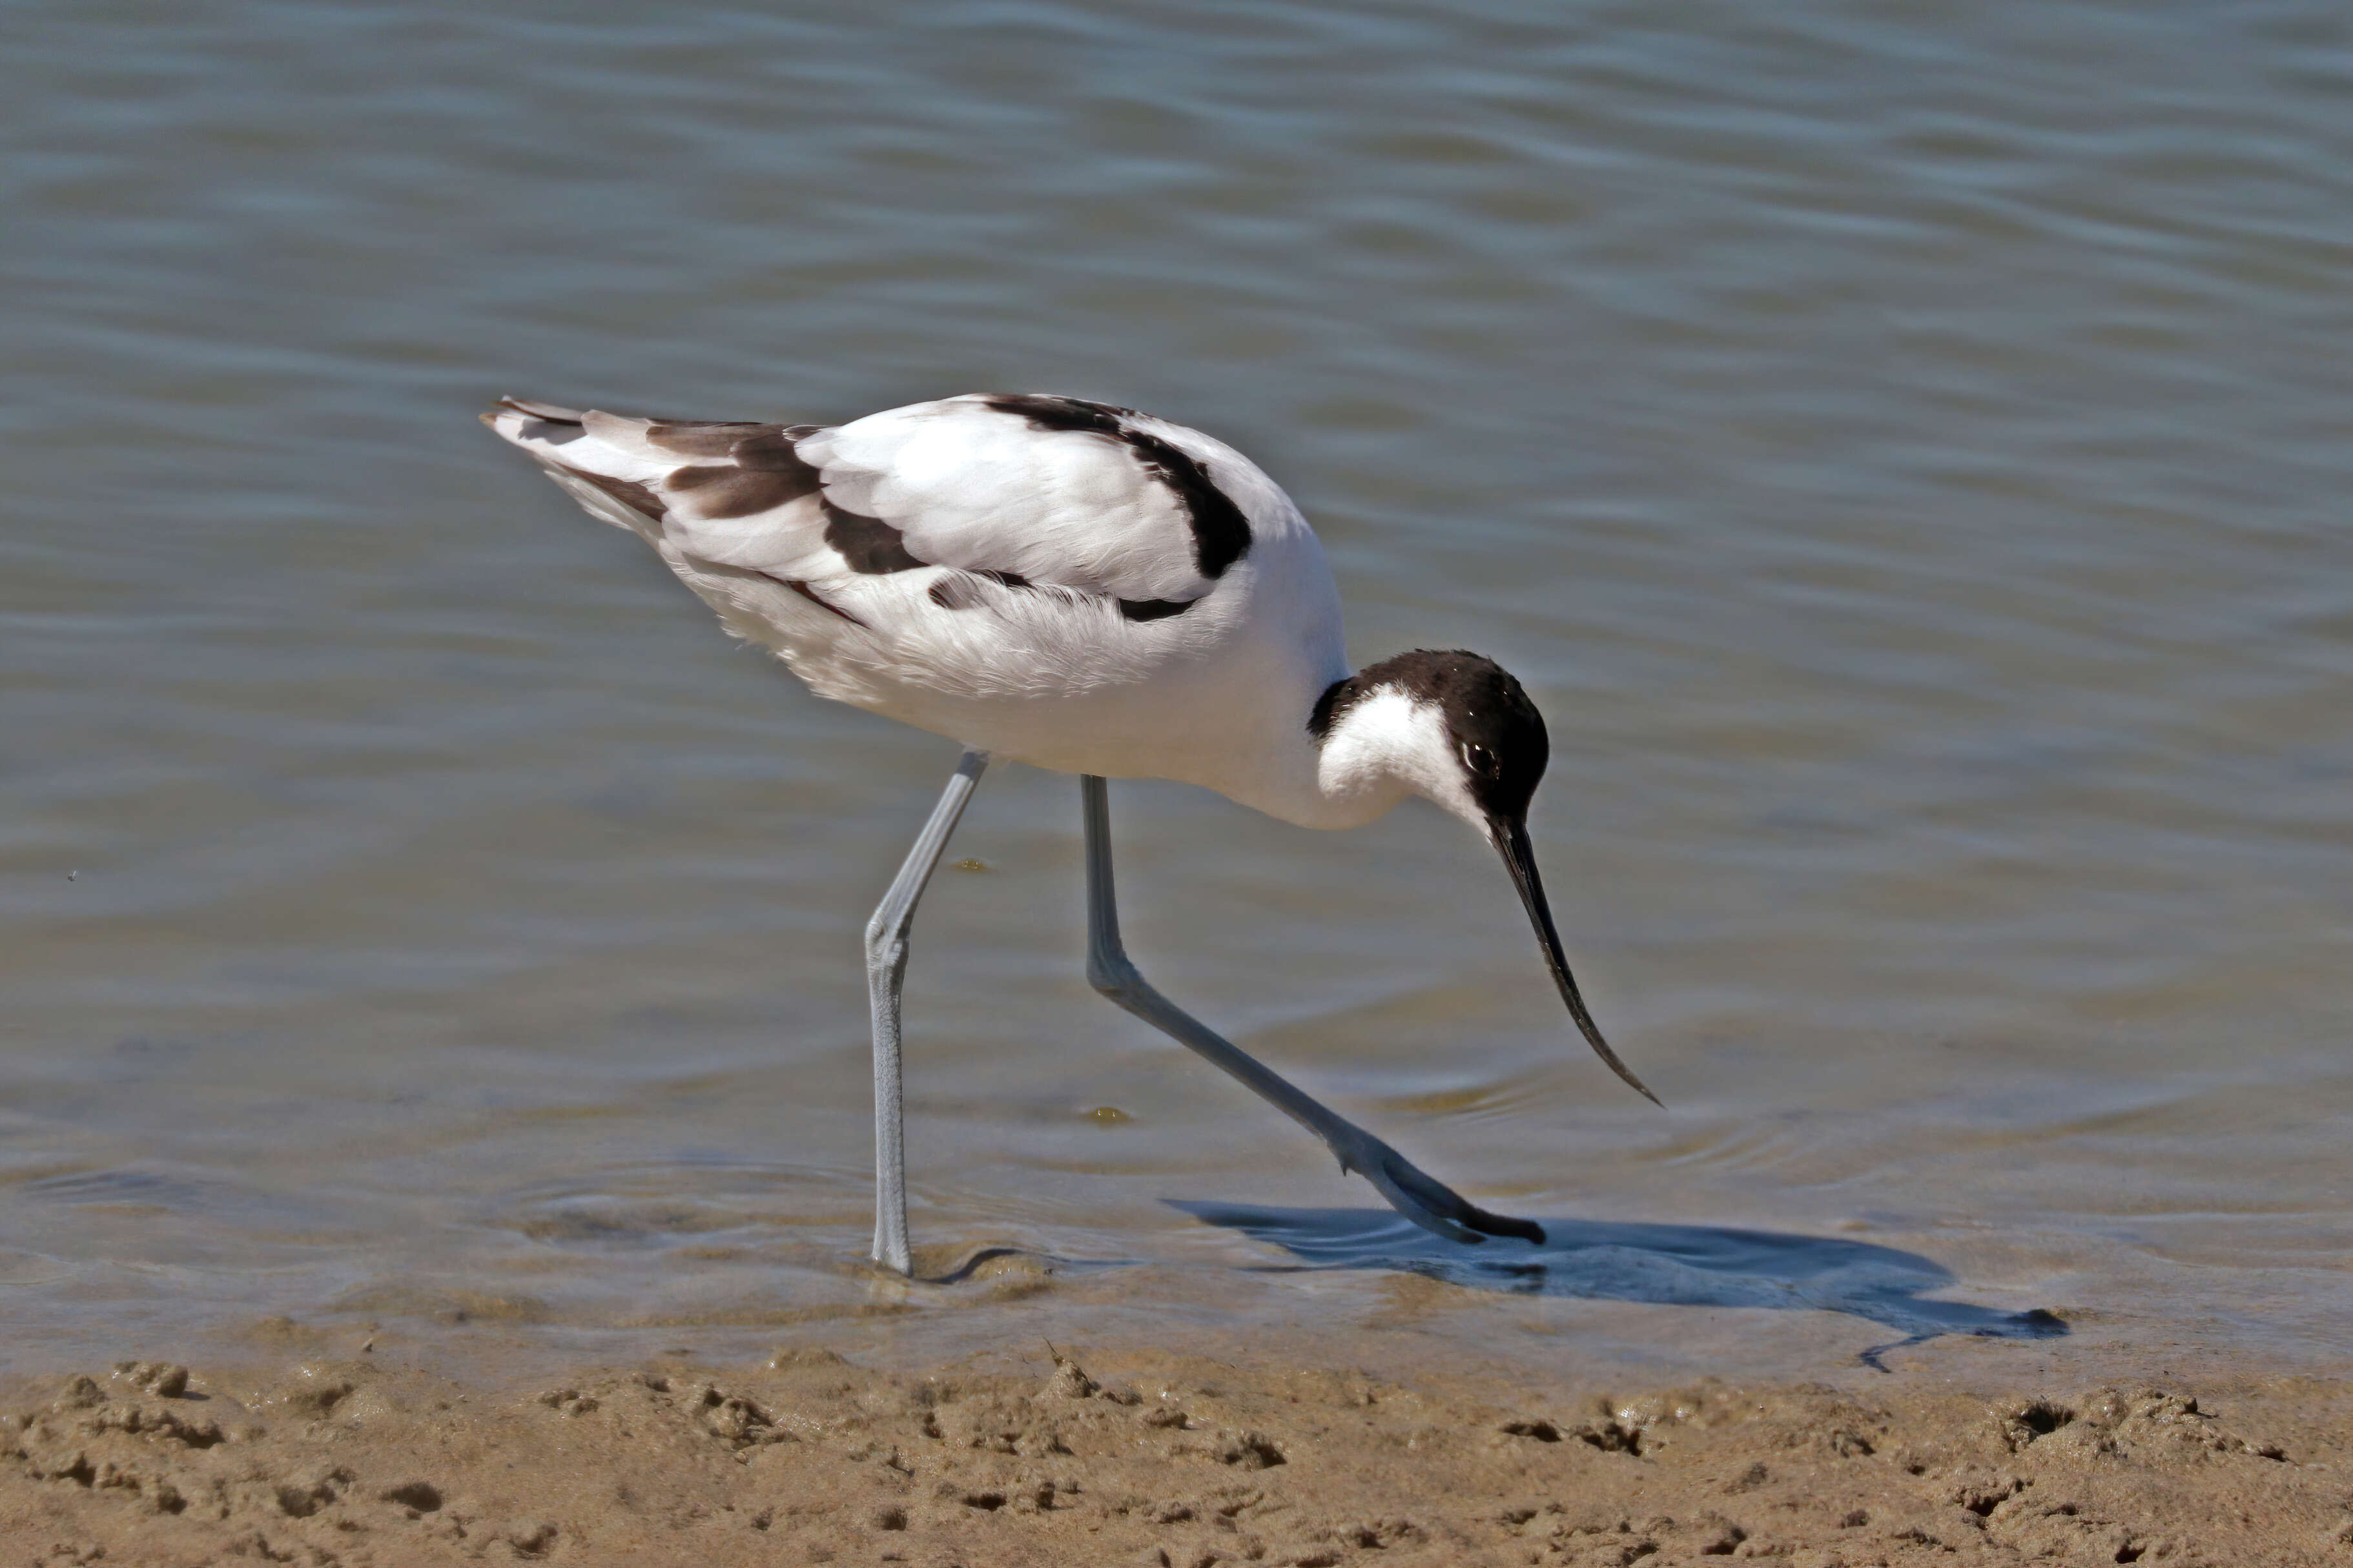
(886, 966)
(1421, 1198)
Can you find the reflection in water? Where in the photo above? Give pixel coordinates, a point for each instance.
(1667, 1265)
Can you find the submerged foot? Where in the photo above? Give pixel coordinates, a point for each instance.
(1423, 1198)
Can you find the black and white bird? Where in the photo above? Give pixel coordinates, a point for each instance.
(1084, 588)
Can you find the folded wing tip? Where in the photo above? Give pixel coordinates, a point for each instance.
(554, 413)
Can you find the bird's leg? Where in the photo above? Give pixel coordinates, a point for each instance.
(1421, 1198)
(886, 966)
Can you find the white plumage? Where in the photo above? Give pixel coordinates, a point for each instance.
(1088, 589)
(1052, 672)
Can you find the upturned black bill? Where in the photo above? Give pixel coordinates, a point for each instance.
(1511, 838)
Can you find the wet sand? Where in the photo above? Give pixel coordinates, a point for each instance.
(331, 1446)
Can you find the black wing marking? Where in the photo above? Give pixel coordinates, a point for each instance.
(869, 544)
(744, 467)
(1221, 534)
(766, 471)
(1156, 609)
(955, 592)
(630, 494)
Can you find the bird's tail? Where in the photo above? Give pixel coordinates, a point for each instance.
(603, 460)
(727, 493)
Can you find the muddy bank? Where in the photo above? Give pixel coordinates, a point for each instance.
(332, 1454)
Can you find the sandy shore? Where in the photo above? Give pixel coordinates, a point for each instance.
(354, 1453)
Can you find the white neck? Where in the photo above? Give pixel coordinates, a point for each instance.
(1385, 747)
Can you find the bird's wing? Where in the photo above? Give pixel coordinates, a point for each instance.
(1027, 490)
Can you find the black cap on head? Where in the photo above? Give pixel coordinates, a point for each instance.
(1499, 737)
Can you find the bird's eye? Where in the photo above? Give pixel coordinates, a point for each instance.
(1479, 760)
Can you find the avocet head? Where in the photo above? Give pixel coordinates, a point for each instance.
(1456, 727)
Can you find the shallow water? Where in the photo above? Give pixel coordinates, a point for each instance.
(1906, 456)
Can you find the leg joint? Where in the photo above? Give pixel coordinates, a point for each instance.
(1114, 977)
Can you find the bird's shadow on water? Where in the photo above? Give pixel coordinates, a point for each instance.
(1667, 1265)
